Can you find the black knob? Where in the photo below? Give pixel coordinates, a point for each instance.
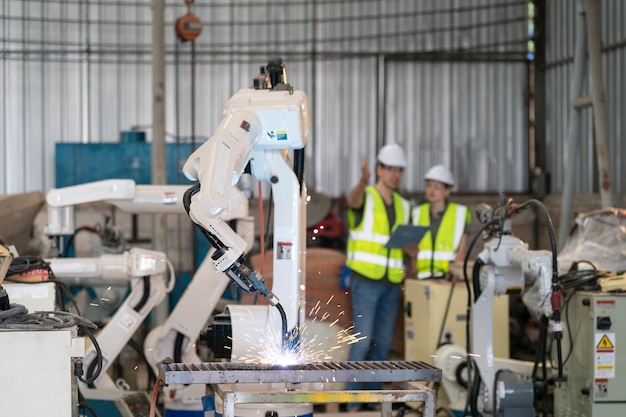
(603, 323)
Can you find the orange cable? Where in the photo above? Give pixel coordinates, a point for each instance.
(155, 394)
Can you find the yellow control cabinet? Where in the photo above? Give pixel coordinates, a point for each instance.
(425, 303)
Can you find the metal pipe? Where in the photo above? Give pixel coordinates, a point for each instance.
(159, 174)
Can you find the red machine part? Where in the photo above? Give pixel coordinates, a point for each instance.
(188, 27)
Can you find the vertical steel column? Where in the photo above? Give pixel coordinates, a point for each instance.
(159, 174)
(575, 123)
(381, 90)
(599, 103)
(85, 74)
(588, 40)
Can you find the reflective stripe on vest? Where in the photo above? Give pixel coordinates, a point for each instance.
(436, 263)
(366, 253)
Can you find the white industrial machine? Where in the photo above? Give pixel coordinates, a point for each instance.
(259, 127)
(497, 386)
(592, 263)
(38, 357)
(594, 365)
(39, 350)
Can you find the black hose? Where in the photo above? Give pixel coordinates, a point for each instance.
(95, 367)
(178, 347)
(188, 194)
(284, 332)
(541, 351)
(474, 394)
(70, 242)
(546, 217)
(145, 295)
(298, 165)
(556, 315)
(476, 279)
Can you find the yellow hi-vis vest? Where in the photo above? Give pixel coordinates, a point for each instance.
(436, 262)
(366, 253)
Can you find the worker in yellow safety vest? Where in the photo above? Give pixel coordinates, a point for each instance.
(376, 272)
(448, 222)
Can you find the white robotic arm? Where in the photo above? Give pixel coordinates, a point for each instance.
(254, 121)
(146, 270)
(131, 198)
(258, 127)
(122, 193)
(506, 261)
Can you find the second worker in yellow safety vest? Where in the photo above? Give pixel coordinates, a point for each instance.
(449, 222)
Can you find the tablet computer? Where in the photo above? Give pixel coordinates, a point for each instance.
(404, 234)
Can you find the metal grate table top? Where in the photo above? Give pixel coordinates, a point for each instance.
(362, 371)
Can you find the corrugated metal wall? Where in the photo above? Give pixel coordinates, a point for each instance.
(446, 78)
(469, 116)
(561, 31)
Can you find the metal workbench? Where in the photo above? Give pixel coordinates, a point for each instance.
(404, 374)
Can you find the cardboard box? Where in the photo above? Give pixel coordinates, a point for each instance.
(17, 216)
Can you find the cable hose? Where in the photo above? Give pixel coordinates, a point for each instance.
(145, 295)
(555, 282)
(284, 332)
(178, 347)
(95, 367)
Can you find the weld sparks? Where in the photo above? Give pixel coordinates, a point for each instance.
(303, 346)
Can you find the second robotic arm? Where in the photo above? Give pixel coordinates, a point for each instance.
(146, 271)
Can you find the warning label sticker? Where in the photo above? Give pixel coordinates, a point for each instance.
(284, 250)
(605, 355)
(602, 388)
(605, 343)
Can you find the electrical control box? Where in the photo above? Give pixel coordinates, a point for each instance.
(38, 368)
(436, 312)
(594, 367)
(40, 296)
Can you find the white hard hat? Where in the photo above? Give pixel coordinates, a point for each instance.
(393, 155)
(440, 173)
